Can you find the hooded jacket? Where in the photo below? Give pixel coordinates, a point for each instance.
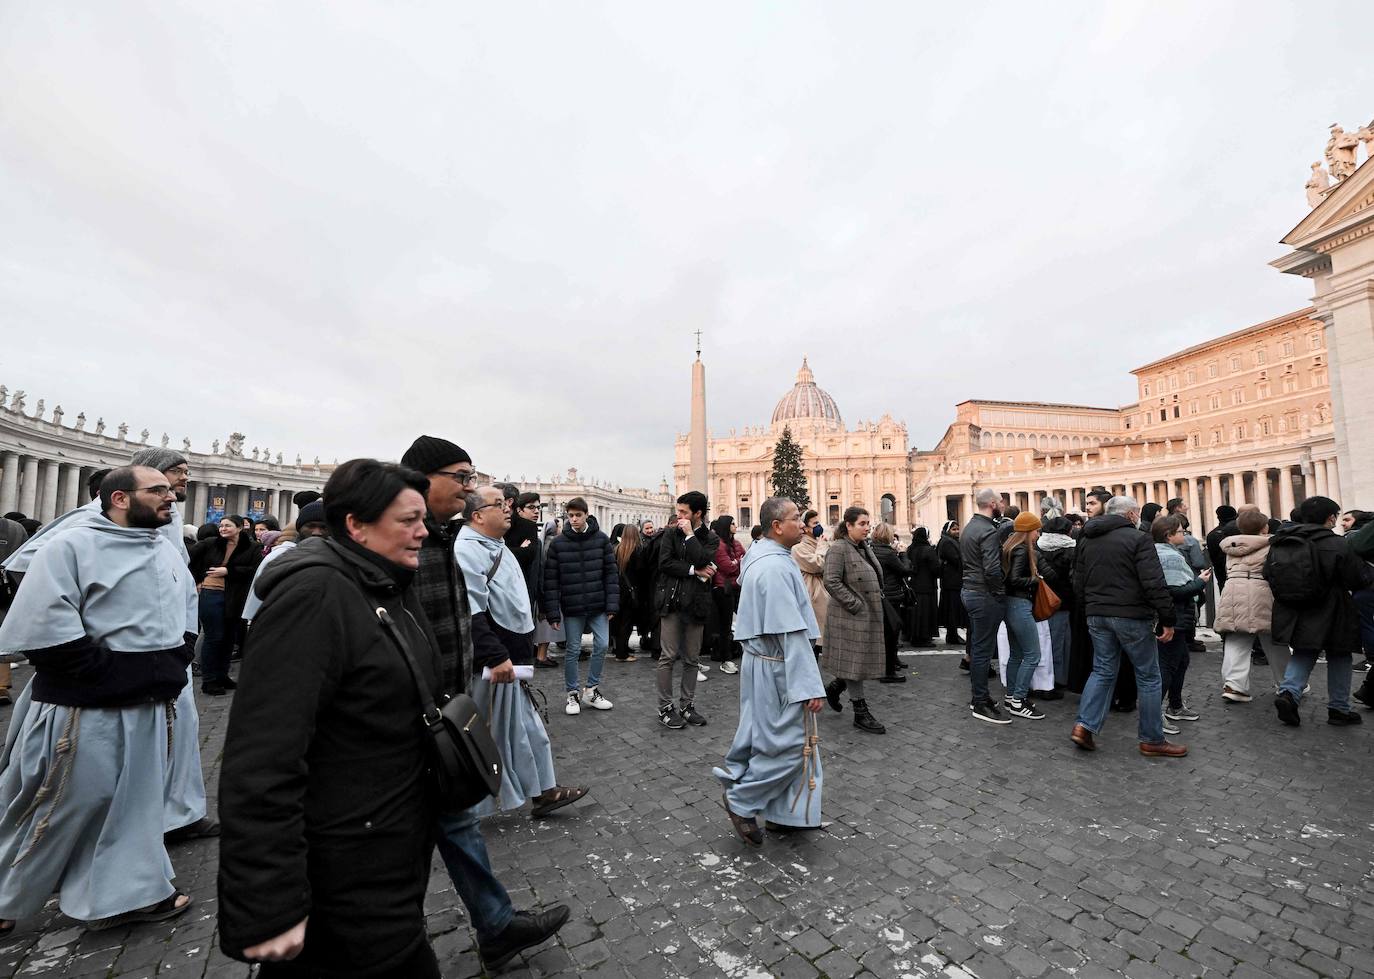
(1333, 624)
(1246, 604)
(325, 807)
(580, 574)
(1117, 573)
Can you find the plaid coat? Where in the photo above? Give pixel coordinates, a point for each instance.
(853, 647)
(443, 595)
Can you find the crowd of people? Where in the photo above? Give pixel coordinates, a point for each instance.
(407, 589)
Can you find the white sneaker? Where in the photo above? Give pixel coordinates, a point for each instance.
(574, 704)
(592, 698)
(701, 676)
(703, 667)
(1170, 729)
(729, 667)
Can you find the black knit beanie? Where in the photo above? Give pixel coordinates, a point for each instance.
(429, 454)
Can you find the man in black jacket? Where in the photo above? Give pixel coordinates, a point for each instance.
(1226, 527)
(683, 598)
(1329, 623)
(1118, 578)
(984, 595)
(582, 589)
(442, 594)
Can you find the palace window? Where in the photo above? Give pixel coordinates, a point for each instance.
(1262, 389)
(1147, 390)
(1175, 411)
(1214, 402)
(1237, 396)
(1240, 430)
(1288, 348)
(1173, 382)
(1318, 376)
(1260, 356)
(1235, 364)
(1197, 440)
(1266, 426)
(1194, 406)
(1216, 436)
(1315, 341)
(1290, 383)
(887, 443)
(1163, 415)
(1192, 375)
(1212, 369)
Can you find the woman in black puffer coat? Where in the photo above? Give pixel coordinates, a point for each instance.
(895, 573)
(952, 614)
(923, 619)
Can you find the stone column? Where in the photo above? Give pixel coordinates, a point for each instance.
(47, 501)
(1237, 489)
(1319, 469)
(1309, 481)
(1333, 476)
(71, 499)
(28, 488)
(9, 483)
(1213, 498)
(1196, 515)
(1285, 492)
(240, 498)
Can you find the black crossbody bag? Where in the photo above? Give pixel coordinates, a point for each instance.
(467, 765)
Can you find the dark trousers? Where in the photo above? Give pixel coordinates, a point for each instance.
(719, 636)
(891, 628)
(214, 651)
(1173, 666)
(622, 624)
(420, 965)
(985, 613)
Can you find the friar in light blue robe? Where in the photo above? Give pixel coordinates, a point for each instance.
(185, 789)
(82, 788)
(773, 767)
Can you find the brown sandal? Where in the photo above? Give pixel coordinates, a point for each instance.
(556, 798)
(163, 910)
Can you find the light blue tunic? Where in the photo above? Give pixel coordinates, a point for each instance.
(768, 770)
(82, 789)
(185, 788)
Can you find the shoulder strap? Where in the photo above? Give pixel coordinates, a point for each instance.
(497, 563)
(429, 713)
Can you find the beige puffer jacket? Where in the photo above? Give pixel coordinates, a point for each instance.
(1246, 604)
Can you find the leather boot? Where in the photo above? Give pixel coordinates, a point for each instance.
(864, 720)
(833, 689)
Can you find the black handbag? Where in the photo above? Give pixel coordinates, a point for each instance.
(467, 765)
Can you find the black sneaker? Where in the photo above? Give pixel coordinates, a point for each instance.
(1362, 666)
(1364, 696)
(1021, 708)
(1287, 709)
(692, 716)
(1342, 718)
(670, 718)
(988, 711)
(963, 665)
(526, 929)
(213, 689)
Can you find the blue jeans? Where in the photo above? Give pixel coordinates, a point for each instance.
(1112, 636)
(601, 638)
(214, 651)
(1337, 676)
(465, 855)
(1023, 638)
(1061, 637)
(985, 614)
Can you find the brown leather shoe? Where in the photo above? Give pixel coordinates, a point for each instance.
(748, 829)
(1165, 749)
(1082, 737)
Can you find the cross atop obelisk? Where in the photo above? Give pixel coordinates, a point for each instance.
(698, 336)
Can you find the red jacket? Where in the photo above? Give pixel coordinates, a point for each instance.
(727, 564)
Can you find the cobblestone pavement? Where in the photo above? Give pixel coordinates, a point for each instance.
(956, 849)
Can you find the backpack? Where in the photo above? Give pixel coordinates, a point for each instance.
(1293, 571)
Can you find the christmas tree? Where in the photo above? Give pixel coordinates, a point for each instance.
(788, 479)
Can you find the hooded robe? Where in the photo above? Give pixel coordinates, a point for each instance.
(82, 788)
(185, 788)
(768, 769)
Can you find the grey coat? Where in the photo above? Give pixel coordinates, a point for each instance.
(853, 645)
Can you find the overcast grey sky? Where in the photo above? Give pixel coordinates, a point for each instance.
(334, 226)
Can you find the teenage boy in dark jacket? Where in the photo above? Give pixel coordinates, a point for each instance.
(1327, 624)
(683, 598)
(1119, 581)
(581, 590)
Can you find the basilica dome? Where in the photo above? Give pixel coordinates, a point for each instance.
(807, 408)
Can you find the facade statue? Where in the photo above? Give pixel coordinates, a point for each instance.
(100, 426)
(1365, 134)
(279, 458)
(1317, 184)
(298, 460)
(143, 437)
(123, 431)
(1340, 152)
(4, 395)
(57, 414)
(81, 422)
(234, 446)
(266, 455)
(317, 463)
(214, 447)
(17, 405)
(165, 440)
(255, 453)
(38, 411)
(185, 445)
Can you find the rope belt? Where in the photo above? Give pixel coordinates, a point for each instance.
(811, 726)
(64, 759)
(771, 659)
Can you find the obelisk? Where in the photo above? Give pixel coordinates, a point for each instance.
(696, 470)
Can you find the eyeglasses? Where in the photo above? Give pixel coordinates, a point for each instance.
(466, 478)
(159, 491)
(533, 506)
(487, 506)
(178, 471)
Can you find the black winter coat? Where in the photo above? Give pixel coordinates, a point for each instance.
(951, 565)
(523, 541)
(238, 577)
(1332, 625)
(1116, 572)
(980, 548)
(324, 801)
(1214, 552)
(678, 557)
(895, 572)
(580, 574)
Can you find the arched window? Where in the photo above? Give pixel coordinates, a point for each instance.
(1021, 440)
(999, 442)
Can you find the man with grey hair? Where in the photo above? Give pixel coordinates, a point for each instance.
(1118, 578)
(984, 596)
